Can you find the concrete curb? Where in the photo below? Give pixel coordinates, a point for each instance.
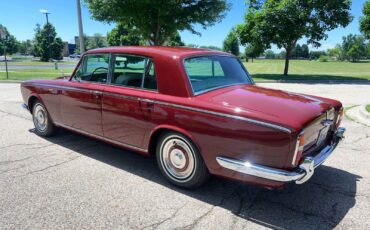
(362, 82)
(359, 114)
(364, 113)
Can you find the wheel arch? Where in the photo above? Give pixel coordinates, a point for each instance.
(31, 102)
(160, 130)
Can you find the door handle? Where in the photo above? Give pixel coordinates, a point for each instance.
(97, 94)
(147, 101)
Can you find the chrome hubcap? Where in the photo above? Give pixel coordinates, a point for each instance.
(177, 158)
(40, 118)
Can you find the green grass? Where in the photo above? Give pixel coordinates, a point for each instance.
(34, 63)
(26, 74)
(260, 70)
(368, 108)
(308, 70)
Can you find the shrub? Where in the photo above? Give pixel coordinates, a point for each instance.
(323, 58)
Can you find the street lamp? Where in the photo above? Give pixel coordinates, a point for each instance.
(4, 36)
(80, 29)
(46, 12)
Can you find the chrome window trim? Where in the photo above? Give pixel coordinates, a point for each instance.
(220, 114)
(101, 138)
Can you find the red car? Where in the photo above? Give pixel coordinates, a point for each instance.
(197, 111)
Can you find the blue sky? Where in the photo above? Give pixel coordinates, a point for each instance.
(21, 16)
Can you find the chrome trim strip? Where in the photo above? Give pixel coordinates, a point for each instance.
(299, 175)
(101, 138)
(249, 120)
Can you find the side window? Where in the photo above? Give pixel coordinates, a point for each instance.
(150, 79)
(93, 68)
(134, 71)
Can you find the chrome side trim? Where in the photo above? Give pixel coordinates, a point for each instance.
(249, 120)
(101, 137)
(300, 175)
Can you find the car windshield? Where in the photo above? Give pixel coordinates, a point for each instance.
(211, 72)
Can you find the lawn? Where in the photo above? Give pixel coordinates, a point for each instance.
(368, 108)
(261, 70)
(26, 74)
(308, 70)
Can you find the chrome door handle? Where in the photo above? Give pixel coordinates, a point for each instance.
(147, 101)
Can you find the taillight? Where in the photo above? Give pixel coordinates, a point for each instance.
(298, 149)
(339, 117)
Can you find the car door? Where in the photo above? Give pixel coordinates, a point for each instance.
(127, 103)
(81, 99)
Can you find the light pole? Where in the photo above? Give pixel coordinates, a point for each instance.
(80, 30)
(4, 36)
(47, 24)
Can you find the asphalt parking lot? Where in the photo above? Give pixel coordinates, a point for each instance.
(70, 182)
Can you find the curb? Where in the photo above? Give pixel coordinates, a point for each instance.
(364, 113)
(359, 114)
(364, 82)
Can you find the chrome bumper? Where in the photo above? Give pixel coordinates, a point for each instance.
(300, 175)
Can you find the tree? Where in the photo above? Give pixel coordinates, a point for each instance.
(354, 47)
(209, 47)
(25, 47)
(283, 23)
(296, 52)
(42, 38)
(336, 53)
(158, 20)
(269, 54)
(96, 41)
(10, 42)
(253, 51)
(231, 43)
(314, 55)
(365, 20)
(305, 51)
(124, 35)
(175, 40)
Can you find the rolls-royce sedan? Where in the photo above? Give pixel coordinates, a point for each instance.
(197, 111)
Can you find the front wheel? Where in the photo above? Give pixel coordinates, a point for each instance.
(41, 119)
(180, 162)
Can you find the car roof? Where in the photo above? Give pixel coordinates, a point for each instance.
(155, 51)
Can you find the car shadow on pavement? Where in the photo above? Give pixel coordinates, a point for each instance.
(321, 202)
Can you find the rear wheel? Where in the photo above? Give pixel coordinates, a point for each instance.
(41, 119)
(180, 162)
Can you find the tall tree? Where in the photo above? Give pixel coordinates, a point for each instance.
(124, 35)
(365, 20)
(45, 37)
(25, 47)
(283, 23)
(305, 51)
(158, 20)
(175, 40)
(96, 41)
(252, 51)
(10, 42)
(354, 47)
(231, 43)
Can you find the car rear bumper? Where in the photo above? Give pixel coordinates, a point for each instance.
(299, 175)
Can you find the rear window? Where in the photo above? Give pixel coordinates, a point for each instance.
(210, 72)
